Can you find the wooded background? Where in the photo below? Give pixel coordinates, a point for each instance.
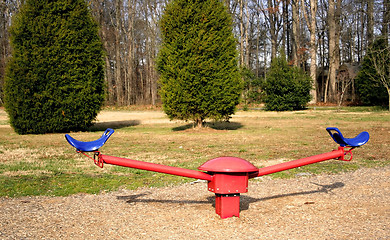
(327, 38)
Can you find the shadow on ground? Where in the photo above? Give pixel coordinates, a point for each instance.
(137, 198)
(212, 125)
(245, 201)
(101, 126)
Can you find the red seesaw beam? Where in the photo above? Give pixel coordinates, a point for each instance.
(124, 162)
(336, 154)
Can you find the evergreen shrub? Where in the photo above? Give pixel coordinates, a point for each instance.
(55, 78)
(369, 88)
(253, 87)
(287, 87)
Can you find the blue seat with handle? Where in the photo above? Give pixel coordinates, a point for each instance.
(359, 140)
(92, 145)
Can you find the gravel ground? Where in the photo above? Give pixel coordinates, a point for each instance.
(353, 205)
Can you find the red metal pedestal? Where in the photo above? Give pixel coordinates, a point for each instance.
(227, 205)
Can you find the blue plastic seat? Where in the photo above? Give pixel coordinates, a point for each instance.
(92, 145)
(359, 140)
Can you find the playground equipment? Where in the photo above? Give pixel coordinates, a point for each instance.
(227, 176)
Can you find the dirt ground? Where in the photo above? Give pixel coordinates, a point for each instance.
(353, 205)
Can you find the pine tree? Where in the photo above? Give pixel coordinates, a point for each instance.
(198, 61)
(287, 87)
(55, 78)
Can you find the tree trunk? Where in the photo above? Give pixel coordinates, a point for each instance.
(388, 94)
(312, 25)
(241, 33)
(361, 46)
(313, 50)
(370, 22)
(97, 8)
(118, 62)
(198, 123)
(5, 19)
(295, 39)
(247, 48)
(337, 40)
(273, 20)
(386, 19)
(130, 78)
(331, 96)
(285, 34)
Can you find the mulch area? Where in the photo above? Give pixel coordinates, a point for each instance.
(352, 205)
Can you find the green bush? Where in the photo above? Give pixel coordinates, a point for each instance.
(370, 93)
(55, 78)
(198, 61)
(369, 88)
(253, 87)
(287, 87)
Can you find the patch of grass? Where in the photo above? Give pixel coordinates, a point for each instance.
(366, 109)
(4, 122)
(330, 167)
(64, 184)
(350, 109)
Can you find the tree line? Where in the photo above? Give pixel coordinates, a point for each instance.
(326, 38)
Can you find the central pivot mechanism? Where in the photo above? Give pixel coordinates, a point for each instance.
(230, 178)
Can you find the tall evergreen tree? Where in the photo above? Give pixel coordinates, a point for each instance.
(55, 78)
(198, 61)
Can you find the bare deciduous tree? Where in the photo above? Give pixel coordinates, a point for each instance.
(310, 13)
(380, 60)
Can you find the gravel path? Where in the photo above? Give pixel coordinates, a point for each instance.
(353, 205)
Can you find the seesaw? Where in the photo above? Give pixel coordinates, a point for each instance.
(227, 176)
